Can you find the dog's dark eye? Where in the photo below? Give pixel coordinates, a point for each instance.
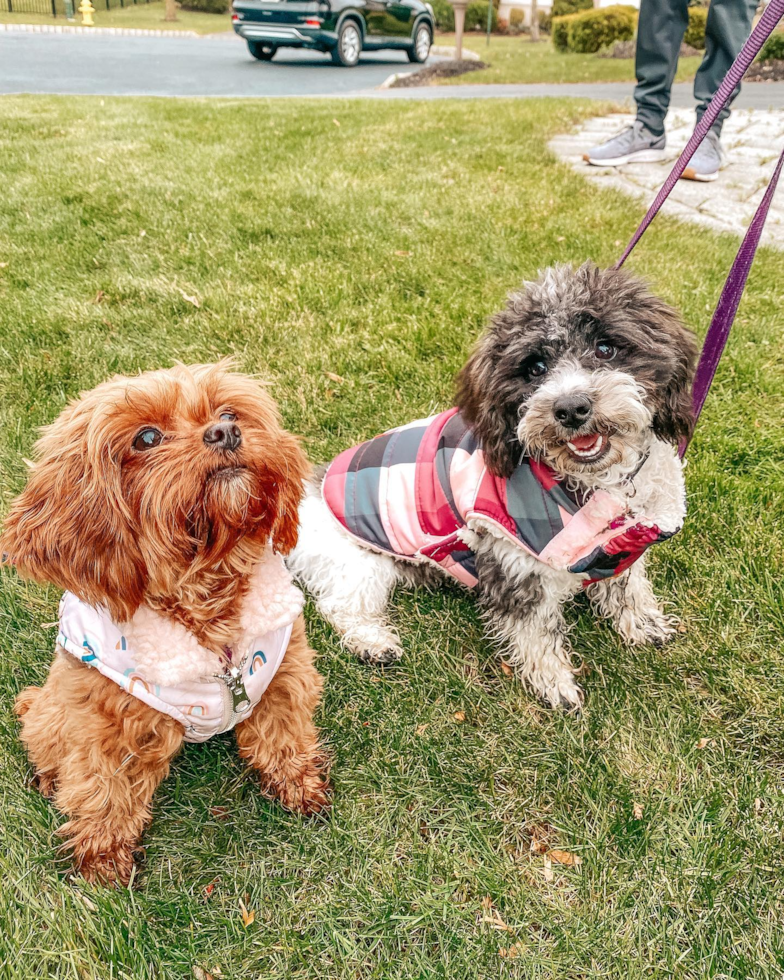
(147, 439)
(227, 416)
(604, 351)
(534, 367)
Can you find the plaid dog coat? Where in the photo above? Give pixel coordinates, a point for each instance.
(410, 492)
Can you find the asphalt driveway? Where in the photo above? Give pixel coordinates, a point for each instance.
(219, 65)
(72, 64)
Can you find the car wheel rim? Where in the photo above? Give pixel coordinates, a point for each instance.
(423, 44)
(350, 44)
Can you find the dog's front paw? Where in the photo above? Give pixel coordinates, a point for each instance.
(566, 695)
(303, 788)
(374, 644)
(649, 627)
(106, 867)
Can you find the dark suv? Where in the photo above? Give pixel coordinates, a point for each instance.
(345, 28)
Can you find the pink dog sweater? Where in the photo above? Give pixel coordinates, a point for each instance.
(411, 491)
(158, 661)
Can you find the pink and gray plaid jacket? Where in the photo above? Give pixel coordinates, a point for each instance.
(410, 491)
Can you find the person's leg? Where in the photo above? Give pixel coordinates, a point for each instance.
(729, 24)
(660, 31)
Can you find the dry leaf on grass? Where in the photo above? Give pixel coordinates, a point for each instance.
(421, 729)
(637, 809)
(220, 812)
(248, 916)
(704, 743)
(566, 858)
(506, 669)
(487, 902)
(201, 974)
(100, 296)
(334, 377)
(209, 889)
(402, 254)
(3, 265)
(335, 121)
(542, 835)
(459, 716)
(512, 952)
(189, 299)
(548, 869)
(495, 921)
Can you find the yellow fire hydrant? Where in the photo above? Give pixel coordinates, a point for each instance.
(86, 9)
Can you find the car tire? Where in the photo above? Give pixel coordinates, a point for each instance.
(262, 51)
(349, 47)
(420, 49)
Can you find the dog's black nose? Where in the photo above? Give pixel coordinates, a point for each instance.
(572, 411)
(223, 435)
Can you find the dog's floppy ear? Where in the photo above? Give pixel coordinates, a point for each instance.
(68, 526)
(486, 408)
(673, 418)
(291, 468)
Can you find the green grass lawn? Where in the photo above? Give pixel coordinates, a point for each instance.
(516, 59)
(145, 16)
(372, 241)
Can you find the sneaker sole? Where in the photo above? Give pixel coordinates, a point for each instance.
(691, 174)
(641, 156)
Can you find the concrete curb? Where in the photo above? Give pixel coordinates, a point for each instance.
(390, 80)
(67, 29)
(441, 51)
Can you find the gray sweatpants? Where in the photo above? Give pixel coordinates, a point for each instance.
(660, 31)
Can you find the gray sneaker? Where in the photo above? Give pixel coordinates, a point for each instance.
(634, 145)
(708, 159)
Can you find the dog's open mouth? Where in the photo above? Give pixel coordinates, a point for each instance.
(588, 449)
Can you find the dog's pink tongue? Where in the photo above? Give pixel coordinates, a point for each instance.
(584, 442)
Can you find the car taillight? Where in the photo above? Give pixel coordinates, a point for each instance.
(312, 22)
(235, 16)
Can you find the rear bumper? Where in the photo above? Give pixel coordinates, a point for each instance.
(285, 35)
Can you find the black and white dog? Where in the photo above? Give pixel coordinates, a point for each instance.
(587, 374)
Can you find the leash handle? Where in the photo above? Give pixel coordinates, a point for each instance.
(727, 307)
(773, 14)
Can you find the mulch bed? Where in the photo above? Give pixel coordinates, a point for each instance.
(444, 69)
(766, 71)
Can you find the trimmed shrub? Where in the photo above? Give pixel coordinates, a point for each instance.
(545, 22)
(516, 18)
(476, 16)
(695, 32)
(444, 14)
(560, 32)
(503, 26)
(206, 6)
(593, 30)
(773, 48)
(561, 8)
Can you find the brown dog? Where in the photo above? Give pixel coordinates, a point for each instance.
(159, 500)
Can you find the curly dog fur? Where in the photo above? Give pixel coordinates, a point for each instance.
(586, 370)
(177, 525)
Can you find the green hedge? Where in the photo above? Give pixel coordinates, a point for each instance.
(592, 30)
(560, 32)
(561, 8)
(206, 6)
(476, 16)
(773, 48)
(695, 32)
(444, 14)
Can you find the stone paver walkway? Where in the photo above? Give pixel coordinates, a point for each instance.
(753, 140)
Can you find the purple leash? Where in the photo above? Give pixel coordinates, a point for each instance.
(721, 324)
